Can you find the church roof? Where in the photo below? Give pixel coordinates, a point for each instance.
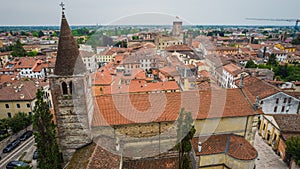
(68, 61)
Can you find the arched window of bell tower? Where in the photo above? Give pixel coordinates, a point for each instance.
(64, 87)
(71, 87)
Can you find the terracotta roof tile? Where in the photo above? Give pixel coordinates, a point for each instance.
(178, 48)
(235, 146)
(288, 122)
(153, 163)
(233, 69)
(19, 90)
(251, 87)
(136, 108)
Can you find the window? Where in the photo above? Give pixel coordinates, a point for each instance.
(275, 109)
(290, 99)
(29, 113)
(64, 88)
(28, 105)
(282, 109)
(18, 106)
(284, 101)
(261, 102)
(277, 100)
(7, 106)
(71, 86)
(9, 115)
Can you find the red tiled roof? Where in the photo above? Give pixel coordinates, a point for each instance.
(137, 108)
(7, 78)
(288, 122)
(235, 146)
(102, 78)
(233, 69)
(255, 46)
(251, 87)
(103, 159)
(178, 48)
(19, 91)
(153, 163)
(25, 62)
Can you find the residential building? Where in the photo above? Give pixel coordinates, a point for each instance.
(19, 96)
(223, 151)
(89, 59)
(271, 99)
(276, 129)
(230, 73)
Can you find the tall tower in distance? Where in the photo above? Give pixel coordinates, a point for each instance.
(177, 28)
(71, 92)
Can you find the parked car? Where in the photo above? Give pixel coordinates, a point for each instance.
(13, 164)
(26, 135)
(11, 146)
(35, 155)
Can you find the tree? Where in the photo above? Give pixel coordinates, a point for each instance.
(4, 125)
(272, 60)
(185, 133)
(250, 64)
(282, 71)
(49, 156)
(40, 34)
(32, 53)
(19, 121)
(18, 50)
(293, 148)
(35, 34)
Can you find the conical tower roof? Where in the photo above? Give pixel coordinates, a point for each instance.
(68, 60)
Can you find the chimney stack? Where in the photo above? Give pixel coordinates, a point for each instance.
(199, 146)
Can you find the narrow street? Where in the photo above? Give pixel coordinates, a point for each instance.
(267, 159)
(17, 153)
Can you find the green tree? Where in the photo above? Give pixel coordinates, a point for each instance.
(19, 121)
(185, 133)
(49, 156)
(18, 50)
(272, 60)
(35, 34)
(295, 41)
(282, 71)
(250, 64)
(4, 125)
(293, 148)
(32, 53)
(40, 34)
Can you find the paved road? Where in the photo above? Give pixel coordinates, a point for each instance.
(267, 159)
(16, 153)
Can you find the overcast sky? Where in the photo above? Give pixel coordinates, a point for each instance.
(202, 12)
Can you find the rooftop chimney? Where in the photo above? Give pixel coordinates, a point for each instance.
(199, 146)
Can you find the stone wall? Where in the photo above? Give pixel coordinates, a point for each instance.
(71, 112)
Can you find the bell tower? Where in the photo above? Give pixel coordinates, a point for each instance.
(71, 91)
